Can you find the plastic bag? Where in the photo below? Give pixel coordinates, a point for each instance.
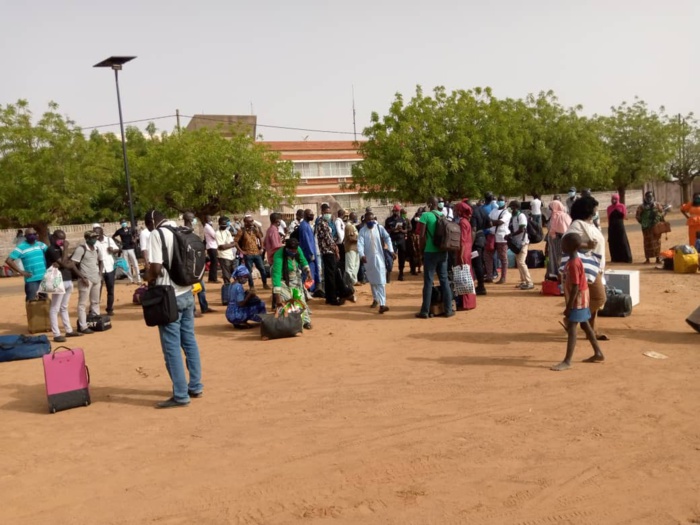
(52, 283)
(462, 276)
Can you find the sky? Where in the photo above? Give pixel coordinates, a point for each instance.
(294, 63)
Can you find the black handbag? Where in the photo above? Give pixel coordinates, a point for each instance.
(159, 305)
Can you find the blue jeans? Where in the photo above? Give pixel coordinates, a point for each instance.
(176, 337)
(432, 262)
(31, 289)
(202, 297)
(257, 261)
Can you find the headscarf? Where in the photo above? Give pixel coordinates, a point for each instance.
(463, 209)
(560, 220)
(617, 206)
(240, 271)
(649, 205)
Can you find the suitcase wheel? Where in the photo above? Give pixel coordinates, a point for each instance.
(53, 410)
(87, 403)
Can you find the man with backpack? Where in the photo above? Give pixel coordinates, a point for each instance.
(434, 260)
(169, 267)
(518, 236)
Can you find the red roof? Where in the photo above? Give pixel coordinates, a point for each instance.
(307, 145)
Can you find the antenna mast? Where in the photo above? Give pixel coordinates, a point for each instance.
(354, 126)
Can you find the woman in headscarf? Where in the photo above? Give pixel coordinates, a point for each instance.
(414, 253)
(287, 266)
(617, 235)
(691, 211)
(559, 222)
(648, 215)
(464, 212)
(244, 308)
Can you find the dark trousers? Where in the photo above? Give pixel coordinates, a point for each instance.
(478, 267)
(213, 262)
(226, 269)
(257, 261)
(108, 282)
(400, 249)
(341, 253)
(330, 267)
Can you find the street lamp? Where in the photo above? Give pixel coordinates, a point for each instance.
(116, 64)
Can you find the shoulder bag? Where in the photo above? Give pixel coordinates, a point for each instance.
(159, 303)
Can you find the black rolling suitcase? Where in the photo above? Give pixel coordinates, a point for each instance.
(99, 323)
(617, 304)
(694, 320)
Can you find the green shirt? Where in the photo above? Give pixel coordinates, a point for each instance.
(429, 219)
(276, 270)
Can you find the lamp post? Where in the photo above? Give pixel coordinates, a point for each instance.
(116, 64)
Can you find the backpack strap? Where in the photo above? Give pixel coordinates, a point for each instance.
(166, 260)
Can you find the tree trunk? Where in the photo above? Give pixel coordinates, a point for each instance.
(686, 190)
(621, 192)
(42, 230)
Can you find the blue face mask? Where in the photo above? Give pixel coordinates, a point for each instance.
(371, 224)
(441, 205)
(124, 225)
(291, 253)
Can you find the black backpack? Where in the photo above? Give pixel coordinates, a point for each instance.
(534, 231)
(448, 234)
(189, 256)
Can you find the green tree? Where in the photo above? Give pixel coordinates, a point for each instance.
(685, 143)
(204, 172)
(48, 168)
(638, 140)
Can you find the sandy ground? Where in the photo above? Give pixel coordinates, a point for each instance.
(371, 419)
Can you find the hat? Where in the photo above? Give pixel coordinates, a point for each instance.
(573, 188)
(397, 207)
(97, 225)
(240, 271)
(90, 234)
(368, 209)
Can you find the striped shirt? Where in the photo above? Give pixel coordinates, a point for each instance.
(33, 260)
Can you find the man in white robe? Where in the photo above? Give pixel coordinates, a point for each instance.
(370, 246)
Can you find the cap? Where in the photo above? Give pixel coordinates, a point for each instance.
(573, 188)
(90, 234)
(397, 207)
(97, 225)
(368, 209)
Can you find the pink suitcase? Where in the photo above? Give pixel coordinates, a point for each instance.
(67, 379)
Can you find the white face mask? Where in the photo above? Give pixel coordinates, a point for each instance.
(441, 205)
(194, 221)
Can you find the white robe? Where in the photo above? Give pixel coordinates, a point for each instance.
(369, 244)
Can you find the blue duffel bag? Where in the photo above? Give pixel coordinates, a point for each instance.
(15, 347)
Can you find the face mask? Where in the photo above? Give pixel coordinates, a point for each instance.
(91, 242)
(649, 199)
(291, 253)
(124, 225)
(222, 227)
(572, 194)
(327, 216)
(59, 242)
(194, 221)
(310, 218)
(501, 204)
(696, 201)
(371, 224)
(614, 201)
(31, 238)
(441, 205)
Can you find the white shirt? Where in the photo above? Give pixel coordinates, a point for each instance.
(107, 258)
(155, 256)
(144, 238)
(340, 229)
(536, 207)
(589, 232)
(516, 224)
(282, 228)
(210, 237)
(225, 237)
(502, 230)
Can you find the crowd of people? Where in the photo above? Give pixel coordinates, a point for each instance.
(327, 257)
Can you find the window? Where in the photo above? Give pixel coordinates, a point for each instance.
(337, 169)
(306, 169)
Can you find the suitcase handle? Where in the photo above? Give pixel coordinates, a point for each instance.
(87, 371)
(53, 354)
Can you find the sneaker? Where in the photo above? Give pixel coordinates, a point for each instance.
(59, 339)
(527, 286)
(170, 403)
(74, 334)
(87, 331)
(383, 309)
(195, 395)
(307, 326)
(374, 304)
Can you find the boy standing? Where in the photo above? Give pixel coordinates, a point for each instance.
(577, 303)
